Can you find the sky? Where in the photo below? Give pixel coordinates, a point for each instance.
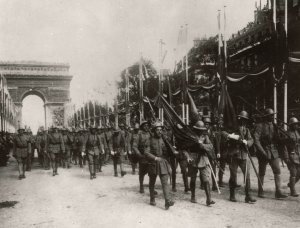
(101, 38)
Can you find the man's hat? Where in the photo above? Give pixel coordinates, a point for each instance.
(243, 115)
(143, 123)
(200, 126)
(293, 121)
(206, 119)
(268, 112)
(158, 124)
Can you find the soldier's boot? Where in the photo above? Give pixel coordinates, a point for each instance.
(133, 166)
(260, 188)
(214, 185)
(278, 193)
(20, 167)
(209, 201)
(174, 182)
(123, 173)
(23, 168)
(115, 170)
(232, 194)
(152, 195)
(248, 198)
(201, 183)
(193, 190)
(292, 187)
(221, 183)
(141, 180)
(186, 183)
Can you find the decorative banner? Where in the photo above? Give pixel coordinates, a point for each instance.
(236, 77)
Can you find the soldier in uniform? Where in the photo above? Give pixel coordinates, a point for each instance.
(269, 143)
(55, 145)
(131, 154)
(157, 154)
(238, 156)
(139, 144)
(93, 147)
(108, 137)
(79, 142)
(118, 150)
(292, 155)
(31, 145)
(198, 161)
(68, 142)
(103, 142)
(21, 151)
(40, 145)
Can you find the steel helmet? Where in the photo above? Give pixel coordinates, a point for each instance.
(243, 115)
(293, 121)
(269, 112)
(200, 126)
(207, 120)
(136, 126)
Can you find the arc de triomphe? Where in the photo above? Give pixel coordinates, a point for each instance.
(49, 81)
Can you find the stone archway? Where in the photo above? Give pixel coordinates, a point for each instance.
(49, 81)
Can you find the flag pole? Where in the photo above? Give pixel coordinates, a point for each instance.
(274, 73)
(285, 105)
(186, 74)
(127, 97)
(141, 85)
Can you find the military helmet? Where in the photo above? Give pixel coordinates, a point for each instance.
(143, 123)
(293, 121)
(200, 126)
(207, 120)
(243, 115)
(269, 112)
(158, 124)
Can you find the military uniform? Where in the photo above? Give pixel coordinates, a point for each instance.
(31, 144)
(105, 148)
(68, 142)
(238, 157)
(198, 161)
(79, 141)
(94, 148)
(292, 155)
(108, 137)
(140, 142)
(55, 145)
(21, 151)
(157, 155)
(268, 144)
(118, 150)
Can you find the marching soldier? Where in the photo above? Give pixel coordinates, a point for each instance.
(79, 142)
(198, 161)
(157, 154)
(292, 157)
(108, 137)
(21, 151)
(139, 144)
(131, 134)
(40, 145)
(31, 144)
(118, 150)
(55, 145)
(238, 156)
(68, 142)
(93, 147)
(103, 142)
(268, 141)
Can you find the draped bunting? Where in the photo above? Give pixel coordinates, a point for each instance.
(195, 88)
(236, 77)
(294, 60)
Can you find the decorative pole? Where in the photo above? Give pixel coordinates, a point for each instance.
(141, 93)
(274, 73)
(285, 102)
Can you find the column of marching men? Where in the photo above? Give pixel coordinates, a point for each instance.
(154, 151)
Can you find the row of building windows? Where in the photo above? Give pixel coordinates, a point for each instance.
(35, 68)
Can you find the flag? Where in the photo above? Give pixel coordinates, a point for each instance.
(181, 131)
(194, 116)
(227, 110)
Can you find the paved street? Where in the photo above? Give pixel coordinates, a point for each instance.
(73, 200)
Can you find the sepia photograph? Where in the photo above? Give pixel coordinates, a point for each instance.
(149, 113)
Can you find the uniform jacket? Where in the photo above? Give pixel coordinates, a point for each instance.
(198, 152)
(55, 143)
(237, 149)
(158, 148)
(140, 143)
(93, 145)
(21, 145)
(268, 141)
(68, 141)
(79, 142)
(40, 142)
(118, 142)
(293, 147)
(108, 137)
